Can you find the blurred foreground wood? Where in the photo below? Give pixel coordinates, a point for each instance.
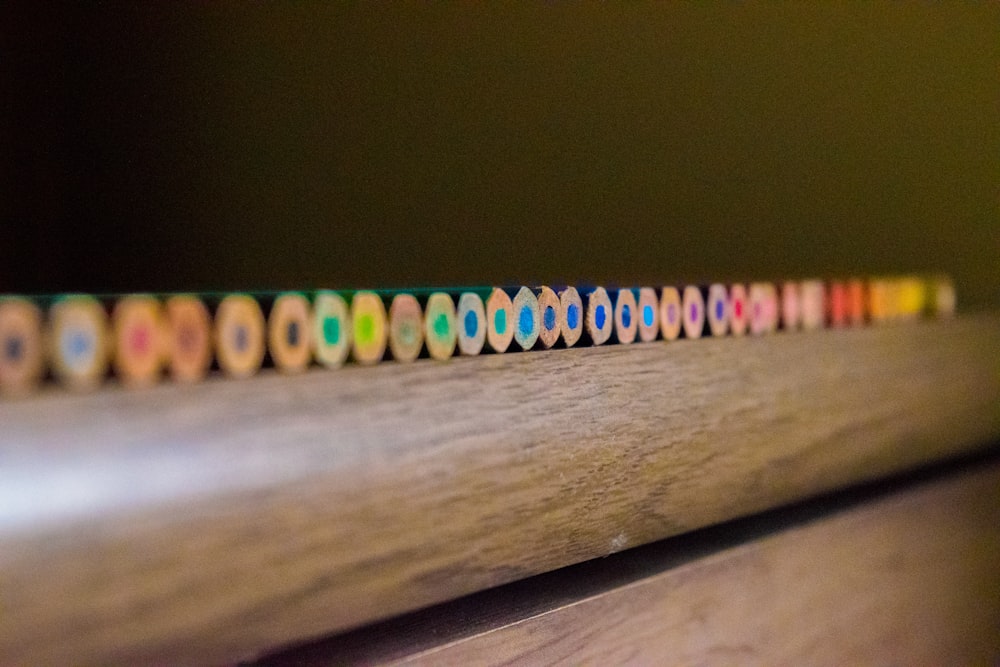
(908, 579)
(213, 522)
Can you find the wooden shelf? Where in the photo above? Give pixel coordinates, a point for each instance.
(213, 522)
(904, 573)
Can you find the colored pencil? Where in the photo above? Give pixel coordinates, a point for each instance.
(406, 328)
(791, 306)
(763, 308)
(836, 304)
(772, 303)
(471, 322)
(22, 353)
(289, 332)
(739, 319)
(370, 331)
(188, 329)
(550, 316)
(912, 297)
(527, 316)
(649, 315)
(671, 320)
(812, 298)
(856, 302)
(942, 298)
(239, 335)
(138, 337)
(499, 320)
(755, 309)
(626, 316)
(439, 326)
(598, 321)
(717, 309)
(78, 341)
(878, 301)
(693, 312)
(332, 328)
(571, 315)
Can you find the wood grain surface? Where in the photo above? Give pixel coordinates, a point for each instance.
(208, 523)
(909, 579)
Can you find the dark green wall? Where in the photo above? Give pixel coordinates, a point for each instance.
(179, 147)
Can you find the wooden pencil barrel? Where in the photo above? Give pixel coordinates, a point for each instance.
(837, 304)
(499, 320)
(626, 316)
(943, 300)
(240, 334)
(791, 306)
(856, 302)
(370, 328)
(739, 319)
(671, 318)
(22, 351)
(764, 308)
(717, 309)
(599, 320)
(470, 318)
(813, 296)
(78, 339)
(188, 327)
(550, 317)
(527, 318)
(289, 332)
(572, 315)
(693, 311)
(332, 328)
(406, 328)
(440, 333)
(139, 340)
(649, 314)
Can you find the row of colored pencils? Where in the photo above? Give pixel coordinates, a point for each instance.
(75, 339)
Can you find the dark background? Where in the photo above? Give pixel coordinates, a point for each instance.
(176, 147)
